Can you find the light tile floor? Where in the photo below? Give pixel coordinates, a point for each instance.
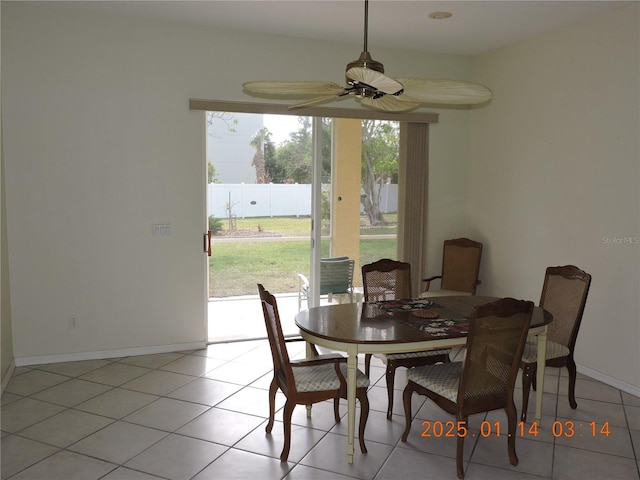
(201, 415)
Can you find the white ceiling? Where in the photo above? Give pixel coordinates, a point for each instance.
(476, 26)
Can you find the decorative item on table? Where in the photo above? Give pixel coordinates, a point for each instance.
(407, 305)
(429, 314)
(445, 327)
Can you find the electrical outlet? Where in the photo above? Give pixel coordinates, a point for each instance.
(73, 321)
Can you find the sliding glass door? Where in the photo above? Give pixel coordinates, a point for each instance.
(262, 181)
(283, 192)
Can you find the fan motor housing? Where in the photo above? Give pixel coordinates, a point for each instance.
(365, 61)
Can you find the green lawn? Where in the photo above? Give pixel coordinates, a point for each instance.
(236, 267)
(300, 227)
(289, 226)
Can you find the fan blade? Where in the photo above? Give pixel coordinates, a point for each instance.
(313, 101)
(389, 103)
(444, 92)
(294, 88)
(375, 79)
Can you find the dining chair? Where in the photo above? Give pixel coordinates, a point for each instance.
(336, 278)
(306, 381)
(388, 279)
(564, 295)
(485, 380)
(460, 269)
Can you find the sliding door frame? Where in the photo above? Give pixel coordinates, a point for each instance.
(413, 170)
(328, 112)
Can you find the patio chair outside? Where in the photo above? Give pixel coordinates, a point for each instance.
(336, 278)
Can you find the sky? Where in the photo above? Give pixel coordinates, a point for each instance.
(280, 126)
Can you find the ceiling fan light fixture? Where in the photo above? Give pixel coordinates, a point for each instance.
(368, 63)
(363, 92)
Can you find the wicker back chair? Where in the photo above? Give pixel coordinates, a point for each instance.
(485, 380)
(391, 280)
(386, 280)
(564, 295)
(460, 269)
(307, 381)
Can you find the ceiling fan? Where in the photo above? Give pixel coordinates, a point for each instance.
(366, 80)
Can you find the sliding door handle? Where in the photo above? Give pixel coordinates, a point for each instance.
(207, 243)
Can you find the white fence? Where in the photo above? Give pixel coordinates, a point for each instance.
(275, 200)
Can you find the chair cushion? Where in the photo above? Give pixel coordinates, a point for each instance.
(442, 293)
(318, 378)
(554, 350)
(442, 378)
(425, 353)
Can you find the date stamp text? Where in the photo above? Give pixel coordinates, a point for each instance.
(565, 429)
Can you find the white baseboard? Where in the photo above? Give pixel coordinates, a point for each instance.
(7, 377)
(103, 354)
(613, 382)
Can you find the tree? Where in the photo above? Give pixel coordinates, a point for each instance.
(225, 117)
(212, 174)
(261, 141)
(293, 157)
(380, 148)
(292, 160)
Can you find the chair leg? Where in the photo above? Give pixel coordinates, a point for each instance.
(367, 364)
(460, 449)
(511, 437)
(364, 415)
(336, 409)
(406, 400)
(390, 376)
(571, 366)
(273, 388)
(528, 374)
(286, 420)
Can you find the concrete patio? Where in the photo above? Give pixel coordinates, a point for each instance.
(240, 318)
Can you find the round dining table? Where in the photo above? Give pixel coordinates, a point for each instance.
(400, 326)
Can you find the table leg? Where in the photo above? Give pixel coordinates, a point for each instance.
(352, 366)
(542, 361)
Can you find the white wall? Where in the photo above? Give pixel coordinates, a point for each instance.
(554, 169)
(97, 129)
